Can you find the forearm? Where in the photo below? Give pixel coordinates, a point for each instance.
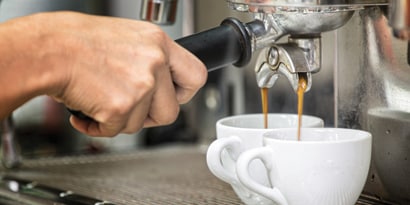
(24, 72)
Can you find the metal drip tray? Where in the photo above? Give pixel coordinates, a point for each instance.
(175, 175)
(172, 175)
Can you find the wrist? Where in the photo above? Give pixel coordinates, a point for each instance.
(26, 70)
(37, 52)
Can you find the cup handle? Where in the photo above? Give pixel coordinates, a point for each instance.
(233, 145)
(242, 169)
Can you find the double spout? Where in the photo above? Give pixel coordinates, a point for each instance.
(301, 56)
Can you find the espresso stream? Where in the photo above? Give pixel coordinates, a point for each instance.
(264, 94)
(302, 85)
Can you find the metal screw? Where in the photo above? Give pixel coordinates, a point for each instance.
(273, 56)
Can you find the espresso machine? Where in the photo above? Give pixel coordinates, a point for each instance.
(369, 81)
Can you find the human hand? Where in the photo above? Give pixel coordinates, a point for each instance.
(124, 74)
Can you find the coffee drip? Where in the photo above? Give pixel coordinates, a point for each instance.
(302, 86)
(265, 103)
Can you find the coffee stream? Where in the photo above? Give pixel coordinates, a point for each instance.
(264, 94)
(302, 86)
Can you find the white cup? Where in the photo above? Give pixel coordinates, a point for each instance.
(236, 134)
(328, 166)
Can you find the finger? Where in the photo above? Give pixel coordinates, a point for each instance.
(84, 125)
(94, 128)
(164, 106)
(138, 115)
(188, 72)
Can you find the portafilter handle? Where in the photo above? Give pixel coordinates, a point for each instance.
(228, 44)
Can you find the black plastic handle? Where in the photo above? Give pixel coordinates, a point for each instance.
(228, 44)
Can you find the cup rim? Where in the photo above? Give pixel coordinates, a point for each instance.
(221, 122)
(360, 135)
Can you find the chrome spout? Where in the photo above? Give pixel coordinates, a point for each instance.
(299, 55)
(267, 75)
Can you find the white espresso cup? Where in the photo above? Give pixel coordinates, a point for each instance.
(328, 166)
(236, 134)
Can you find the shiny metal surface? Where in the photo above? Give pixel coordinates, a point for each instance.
(309, 3)
(47, 194)
(302, 53)
(167, 175)
(278, 25)
(373, 93)
(310, 23)
(371, 72)
(399, 18)
(289, 61)
(303, 6)
(161, 12)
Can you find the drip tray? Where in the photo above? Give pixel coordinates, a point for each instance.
(171, 175)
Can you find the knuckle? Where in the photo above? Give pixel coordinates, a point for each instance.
(145, 87)
(118, 108)
(158, 34)
(157, 55)
(157, 58)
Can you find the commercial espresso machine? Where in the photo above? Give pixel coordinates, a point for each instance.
(283, 41)
(370, 78)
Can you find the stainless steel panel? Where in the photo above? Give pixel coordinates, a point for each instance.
(373, 93)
